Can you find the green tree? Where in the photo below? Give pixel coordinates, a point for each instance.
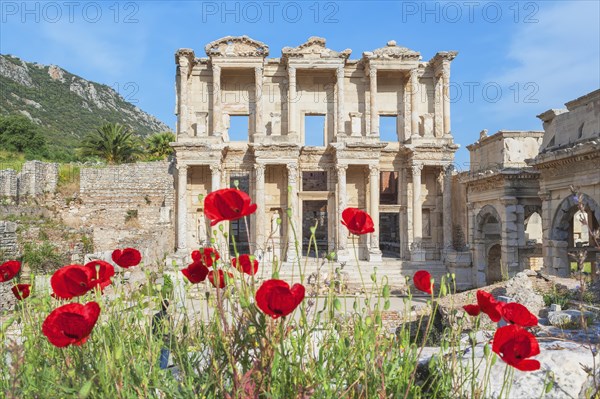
(113, 143)
(158, 146)
(19, 134)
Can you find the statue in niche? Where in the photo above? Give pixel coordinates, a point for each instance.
(275, 224)
(202, 232)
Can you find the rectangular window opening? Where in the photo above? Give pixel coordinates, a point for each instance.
(314, 130)
(314, 181)
(388, 128)
(388, 188)
(239, 128)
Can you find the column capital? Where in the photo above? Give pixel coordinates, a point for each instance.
(216, 69)
(182, 167)
(340, 71)
(259, 167)
(291, 72)
(373, 169)
(215, 167)
(258, 70)
(416, 167)
(341, 168)
(448, 170)
(372, 72)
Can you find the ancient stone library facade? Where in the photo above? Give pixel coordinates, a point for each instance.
(312, 139)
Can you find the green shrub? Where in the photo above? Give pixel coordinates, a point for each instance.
(42, 258)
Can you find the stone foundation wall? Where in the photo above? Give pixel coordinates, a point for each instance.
(36, 178)
(8, 251)
(128, 205)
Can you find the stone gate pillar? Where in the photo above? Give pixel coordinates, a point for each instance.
(259, 225)
(292, 255)
(340, 101)
(414, 104)
(374, 251)
(447, 204)
(342, 247)
(373, 101)
(182, 208)
(510, 236)
(259, 128)
(292, 98)
(216, 105)
(417, 253)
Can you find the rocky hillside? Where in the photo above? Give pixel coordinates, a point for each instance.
(66, 106)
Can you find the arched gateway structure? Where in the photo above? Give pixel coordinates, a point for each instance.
(317, 131)
(569, 158)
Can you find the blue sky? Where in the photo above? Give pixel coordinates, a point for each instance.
(539, 54)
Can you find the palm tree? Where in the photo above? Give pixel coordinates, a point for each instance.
(112, 142)
(158, 145)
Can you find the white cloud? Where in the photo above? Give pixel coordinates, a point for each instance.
(560, 55)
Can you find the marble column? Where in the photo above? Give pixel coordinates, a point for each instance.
(341, 131)
(259, 225)
(342, 196)
(417, 254)
(374, 251)
(438, 96)
(446, 97)
(447, 206)
(183, 111)
(216, 105)
(414, 103)
(373, 101)
(215, 174)
(292, 98)
(182, 208)
(259, 128)
(292, 254)
(402, 218)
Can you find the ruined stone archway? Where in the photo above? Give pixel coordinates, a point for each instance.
(488, 233)
(561, 239)
(494, 267)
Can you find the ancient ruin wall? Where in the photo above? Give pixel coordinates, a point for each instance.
(129, 205)
(36, 178)
(8, 251)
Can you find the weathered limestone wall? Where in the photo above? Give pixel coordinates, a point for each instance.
(505, 149)
(8, 251)
(8, 183)
(36, 178)
(128, 205)
(570, 155)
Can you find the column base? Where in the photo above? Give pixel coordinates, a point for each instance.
(417, 255)
(375, 256)
(291, 255)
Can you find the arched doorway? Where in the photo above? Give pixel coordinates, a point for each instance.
(488, 239)
(568, 234)
(494, 268)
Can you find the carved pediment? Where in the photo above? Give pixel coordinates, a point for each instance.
(236, 46)
(392, 51)
(314, 48)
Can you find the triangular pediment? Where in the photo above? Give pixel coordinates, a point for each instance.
(314, 48)
(236, 46)
(392, 51)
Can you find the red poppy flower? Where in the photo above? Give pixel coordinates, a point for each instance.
(206, 255)
(515, 345)
(422, 280)
(21, 291)
(195, 272)
(71, 324)
(102, 272)
(276, 299)
(221, 277)
(472, 310)
(489, 305)
(9, 269)
(127, 257)
(357, 221)
(515, 313)
(227, 204)
(72, 280)
(247, 264)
